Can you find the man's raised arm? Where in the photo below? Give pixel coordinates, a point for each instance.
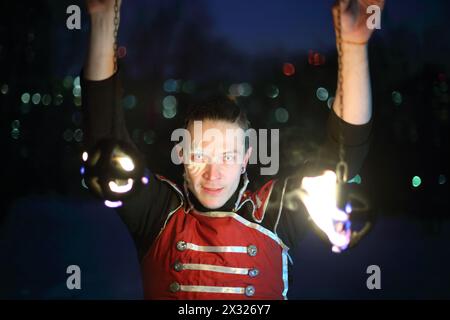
(100, 59)
(352, 22)
(100, 83)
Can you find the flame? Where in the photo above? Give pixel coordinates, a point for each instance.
(319, 197)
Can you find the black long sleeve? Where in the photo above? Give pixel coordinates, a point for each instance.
(100, 99)
(355, 142)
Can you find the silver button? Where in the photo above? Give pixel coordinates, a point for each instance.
(252, 250)
(178, 266)
(253, 272)
(250, 291)
(181, 245)
(174, 287)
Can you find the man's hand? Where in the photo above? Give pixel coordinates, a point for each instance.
(354, 19)
(101, 7)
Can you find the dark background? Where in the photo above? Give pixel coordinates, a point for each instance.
(190, 48)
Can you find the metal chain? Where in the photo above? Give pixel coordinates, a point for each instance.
(115, 126)
(116, 30)
(341, 167)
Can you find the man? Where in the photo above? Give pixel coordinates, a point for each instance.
(213, 238)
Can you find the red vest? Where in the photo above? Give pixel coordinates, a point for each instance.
(216, 255)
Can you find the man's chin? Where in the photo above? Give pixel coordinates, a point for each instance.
(212, 205)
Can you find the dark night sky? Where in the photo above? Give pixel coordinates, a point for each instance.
(282, 27)
(255, 26)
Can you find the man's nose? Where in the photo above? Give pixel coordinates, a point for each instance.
(212, 171)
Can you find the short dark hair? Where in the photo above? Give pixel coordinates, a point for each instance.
(218, 107)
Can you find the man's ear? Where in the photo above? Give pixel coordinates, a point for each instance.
(247, 156)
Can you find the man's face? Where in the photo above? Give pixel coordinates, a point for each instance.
(216, 158)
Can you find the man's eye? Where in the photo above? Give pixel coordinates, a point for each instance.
(228, 157)
(198, 157)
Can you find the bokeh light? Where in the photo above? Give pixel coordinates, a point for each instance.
(397, 98)
(330, 102)
(121, 52)
(416, 181)
(245, 89)
(58, 99)
(78, 135)
(322, 94)
(281, 115)
(288, 69)
(4, 89)
(240, 89)
(169, 102)
(171, 86)
(129, 102)
(15, 124)
(25, 98)
(272, 91)
(442, 179)
(169, 113)
(76, 91)
(46, 99)
(36, 98)
(315, 58)
(15, 133)
(76, 82)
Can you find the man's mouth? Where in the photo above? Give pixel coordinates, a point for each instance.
(212, 190)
